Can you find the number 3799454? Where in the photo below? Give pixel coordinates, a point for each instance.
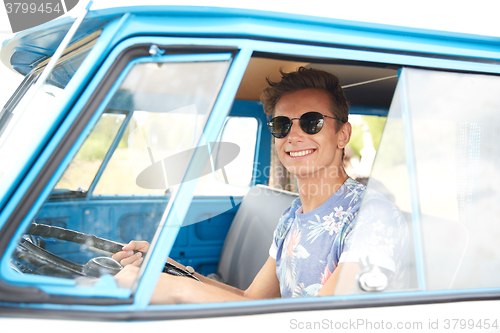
(31, 7)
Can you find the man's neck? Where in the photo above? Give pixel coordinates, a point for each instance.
(315, 190)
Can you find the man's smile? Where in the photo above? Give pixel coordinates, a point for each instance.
(300, 153)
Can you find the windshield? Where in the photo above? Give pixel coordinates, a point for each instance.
(22, 122)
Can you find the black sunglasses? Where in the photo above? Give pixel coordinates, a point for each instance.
(310, 122)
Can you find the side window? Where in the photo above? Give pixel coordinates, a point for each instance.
(84, 167)
(235, 177)
(142, 153)
(167, 122)
(232, 175)
(141, 144)
(455, 124)
(436, 165)
(363, 146)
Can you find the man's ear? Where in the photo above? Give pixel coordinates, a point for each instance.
(344, 135)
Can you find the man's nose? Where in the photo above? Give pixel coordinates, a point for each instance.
(296, 132)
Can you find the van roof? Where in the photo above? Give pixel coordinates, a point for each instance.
(31, 46)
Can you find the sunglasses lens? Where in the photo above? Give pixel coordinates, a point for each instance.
(280, 126)
(311, 122)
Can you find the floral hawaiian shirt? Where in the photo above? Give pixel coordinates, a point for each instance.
(309, 246)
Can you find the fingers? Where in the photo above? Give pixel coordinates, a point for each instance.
(138, 262)
(142, 246)
(119, 256)
(127, 256)
(135, 260)
(130, 258)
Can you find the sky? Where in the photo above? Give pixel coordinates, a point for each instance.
(475, 17)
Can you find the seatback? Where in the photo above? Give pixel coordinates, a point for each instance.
(247, 244)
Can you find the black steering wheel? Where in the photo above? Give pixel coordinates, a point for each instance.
(32, 259)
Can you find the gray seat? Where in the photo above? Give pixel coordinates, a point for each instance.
(246, 248)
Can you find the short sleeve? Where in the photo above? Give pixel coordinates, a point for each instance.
(379, 232)
(282, 228)
(273, 250)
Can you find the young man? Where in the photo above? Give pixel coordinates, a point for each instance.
(314, 240)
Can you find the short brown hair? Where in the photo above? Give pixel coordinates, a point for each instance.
(306, 78)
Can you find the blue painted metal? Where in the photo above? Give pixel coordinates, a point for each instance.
(204, 21)
(305, 301)
(124, 218)
(136, 23)
(26, 49)
(290, 49)
(412, 177)
(253, 24)
(257, 45)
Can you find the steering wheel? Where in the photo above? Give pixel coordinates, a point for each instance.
(33, 259)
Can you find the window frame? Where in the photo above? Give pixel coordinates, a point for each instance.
(75, 133)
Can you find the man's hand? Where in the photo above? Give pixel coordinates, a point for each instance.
(126, 277)
(127, 256)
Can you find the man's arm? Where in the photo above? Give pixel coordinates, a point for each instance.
(265, 284)
(181, 290)
(346, 285)
(175, 289)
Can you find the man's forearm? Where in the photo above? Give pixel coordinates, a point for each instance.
(220, 285)
(177, 289)
(209, 281)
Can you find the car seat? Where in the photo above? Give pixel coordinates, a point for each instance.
(247, 244)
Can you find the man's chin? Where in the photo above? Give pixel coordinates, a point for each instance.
(312, 171)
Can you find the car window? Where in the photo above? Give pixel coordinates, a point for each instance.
(455, 149)
(151, 126)
(234, 178)
(23, 117)
(363, 146)
(78, 177)
(168, 119)
(435, 166)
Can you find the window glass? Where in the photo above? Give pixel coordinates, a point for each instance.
(240, 131)
(381, 239)
(436, 162)
(83, 168)
(152, 125)
(235, 177)
(362, 148)
(23, 116)
(168, 121)
(151, 137)
(455, 125)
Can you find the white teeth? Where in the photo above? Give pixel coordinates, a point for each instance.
(300, 153)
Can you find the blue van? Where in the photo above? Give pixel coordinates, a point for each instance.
(146, 124)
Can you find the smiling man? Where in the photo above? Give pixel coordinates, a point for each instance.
(311, 149)
(311, 129)
(314, 240)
